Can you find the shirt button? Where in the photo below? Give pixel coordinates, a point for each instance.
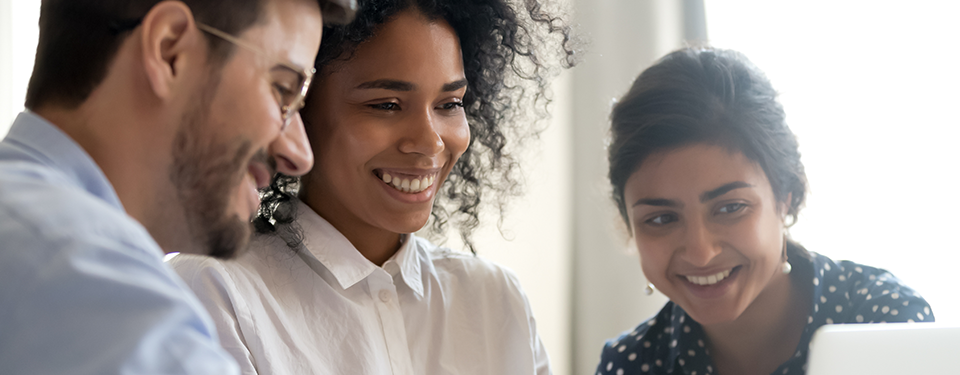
(384, 296)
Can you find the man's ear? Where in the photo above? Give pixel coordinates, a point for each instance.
(169, 41)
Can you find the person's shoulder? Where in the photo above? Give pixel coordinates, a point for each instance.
(59, 240)
(446, 260)
(264, 255)
(468, 273)
(640, 349)
(51, 208)
(50, 225)
(875, 295)
(190, 266)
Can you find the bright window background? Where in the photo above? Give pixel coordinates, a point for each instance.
(871, 90)
(18, 46)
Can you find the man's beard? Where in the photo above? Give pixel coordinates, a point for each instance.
(204, 173)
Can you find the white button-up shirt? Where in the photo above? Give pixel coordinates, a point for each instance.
(325, 309)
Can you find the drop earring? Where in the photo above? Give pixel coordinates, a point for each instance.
(649, 289)
(786, 267)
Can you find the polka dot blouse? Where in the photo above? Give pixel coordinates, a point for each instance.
(844, 292)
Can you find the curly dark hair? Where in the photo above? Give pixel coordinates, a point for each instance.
(706, 95)
(507, 66)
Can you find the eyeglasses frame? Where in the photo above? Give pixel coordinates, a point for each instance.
(287, 111)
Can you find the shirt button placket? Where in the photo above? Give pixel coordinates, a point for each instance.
(391, 320)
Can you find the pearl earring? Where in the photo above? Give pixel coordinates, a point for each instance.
(649, 289)
(786, 267)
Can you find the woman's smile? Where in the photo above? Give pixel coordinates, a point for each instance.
(387, 127)
(711, 286)
(707, 215)
(409, 186)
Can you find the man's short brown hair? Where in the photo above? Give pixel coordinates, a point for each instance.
(80, 38)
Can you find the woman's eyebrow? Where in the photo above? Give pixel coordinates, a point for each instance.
(455, 85)
(388, 84)
(659, 202)
(726, 188)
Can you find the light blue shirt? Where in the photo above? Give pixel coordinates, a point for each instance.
(83, 286)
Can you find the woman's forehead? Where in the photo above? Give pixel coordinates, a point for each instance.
(694, 169)
(406, 43)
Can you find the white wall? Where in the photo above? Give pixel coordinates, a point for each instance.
(626, 36)
(6, 72)
(871, 90)
(18, 45)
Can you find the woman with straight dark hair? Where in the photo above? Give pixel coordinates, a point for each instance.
(708, 178)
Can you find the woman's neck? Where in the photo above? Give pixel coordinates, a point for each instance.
(766, 334)
(375, 244)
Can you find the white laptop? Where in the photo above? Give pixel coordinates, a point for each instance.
(881, 349)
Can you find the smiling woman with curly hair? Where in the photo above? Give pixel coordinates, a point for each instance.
(413, 114)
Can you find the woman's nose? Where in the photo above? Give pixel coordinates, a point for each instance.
(423, 136)
(699, 245)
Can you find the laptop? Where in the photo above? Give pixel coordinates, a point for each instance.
(881, 349)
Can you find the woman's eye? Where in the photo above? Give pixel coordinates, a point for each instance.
(388, 106)
(731, 208)
(452, 105)
(663, 219)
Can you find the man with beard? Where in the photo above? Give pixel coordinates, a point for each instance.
(150, 126)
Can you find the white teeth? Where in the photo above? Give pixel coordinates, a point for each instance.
(412, 186)
(709, 280)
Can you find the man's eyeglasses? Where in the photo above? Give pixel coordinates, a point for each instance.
(290, 91)
(290, 82)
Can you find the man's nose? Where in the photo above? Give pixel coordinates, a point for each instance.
(291, 149)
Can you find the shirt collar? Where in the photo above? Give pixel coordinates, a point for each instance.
(332, 249)
(37, 140)
(345, 262)
(684, 333)
(406, 262)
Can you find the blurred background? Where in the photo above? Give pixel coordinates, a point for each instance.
(869, 87)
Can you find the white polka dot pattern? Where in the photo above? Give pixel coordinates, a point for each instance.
(844, 292)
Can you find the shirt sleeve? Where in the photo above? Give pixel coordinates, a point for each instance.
(520, 307)
(540, 359)
(96, 305)
(213, 286)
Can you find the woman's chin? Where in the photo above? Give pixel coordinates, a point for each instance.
(408, 223)
(712, 312)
